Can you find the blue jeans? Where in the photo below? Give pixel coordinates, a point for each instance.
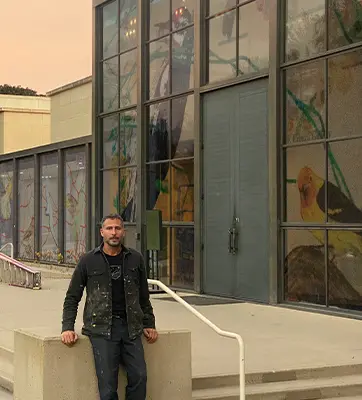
(109, 354)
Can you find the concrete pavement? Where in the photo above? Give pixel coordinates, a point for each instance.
(275, 338)
(5, 395)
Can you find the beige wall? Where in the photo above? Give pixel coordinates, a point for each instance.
(71, 111)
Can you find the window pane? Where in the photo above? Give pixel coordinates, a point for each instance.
(49, 214)
(182, 127)
(159, 68)
(110, 142)
(128, 138)
(128, 24)
(305, 184)
(128, 194)
(26, 209)
(128, 78)
(182, 175)
(159, 18)
(305, 29)
(163, 257)
(183, 257)
(345, 186)
(222, 47)
(344, 23)
(6, 204)
(345, 95)
(215, 6)
(158, 189)
(159, 132)
(183, 13)
(304, 273)
(110, 192)
(253, 40)
(110, 85)
(305, 100)
(182, 60)
(76, 203)
(110, 30)
(344, 269)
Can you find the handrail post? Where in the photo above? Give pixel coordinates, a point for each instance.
(219, 331)
(11, 247)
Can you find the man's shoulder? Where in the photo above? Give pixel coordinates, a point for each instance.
(88, 255)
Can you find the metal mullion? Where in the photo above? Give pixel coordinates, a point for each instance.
(326, 26)
(88, 163)
(220, 13)
(331, 226)
(170, 160)
(117, 111)
(321, 141)
(15, 207)
(170, 47)
(326, 144)
(157, 100)
(37, 204)
(118, 54)
(326, 267)
(326, 54)
(61, 202)
(237, 39)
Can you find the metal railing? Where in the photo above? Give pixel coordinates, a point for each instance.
(15, 273)
(219, 331)
(11, 247)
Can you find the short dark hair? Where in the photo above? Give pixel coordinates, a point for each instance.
(111, 216)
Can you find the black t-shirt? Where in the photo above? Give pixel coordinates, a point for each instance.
(118, 296)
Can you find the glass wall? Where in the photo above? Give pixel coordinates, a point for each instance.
(322, 147)
(51, 213)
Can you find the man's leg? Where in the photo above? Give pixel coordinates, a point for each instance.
(107, 360)
(135, 366)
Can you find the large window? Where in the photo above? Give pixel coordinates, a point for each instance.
(238, 39)
(322, 147)
(6, 203)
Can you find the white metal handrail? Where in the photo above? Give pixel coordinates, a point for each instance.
(11, 246)
(214, 327)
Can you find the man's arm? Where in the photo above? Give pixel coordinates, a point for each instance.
(73, 296)
(145, 303)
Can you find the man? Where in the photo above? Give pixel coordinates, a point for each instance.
(116, 313)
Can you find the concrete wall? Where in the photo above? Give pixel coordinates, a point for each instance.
(46, 369)
(71, 111)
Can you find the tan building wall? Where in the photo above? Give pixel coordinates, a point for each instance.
(24, 122)
(71, 110)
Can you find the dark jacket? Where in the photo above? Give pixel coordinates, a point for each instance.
(92, 273)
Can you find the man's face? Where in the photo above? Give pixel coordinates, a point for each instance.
(113, 232)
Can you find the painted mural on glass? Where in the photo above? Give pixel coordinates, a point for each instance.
(6, 203)
(323, 179)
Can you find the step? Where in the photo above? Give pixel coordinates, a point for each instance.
(6, 382)
(306, 389)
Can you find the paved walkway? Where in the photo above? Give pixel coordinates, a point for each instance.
(275, 338)
(5, 395)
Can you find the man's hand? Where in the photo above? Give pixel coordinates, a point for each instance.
(151, 335)
(69, 337)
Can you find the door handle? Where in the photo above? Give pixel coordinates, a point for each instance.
(230, 242)
(233, 240)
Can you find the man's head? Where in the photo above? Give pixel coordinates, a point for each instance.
(112, 230)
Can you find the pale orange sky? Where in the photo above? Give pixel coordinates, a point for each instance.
(45, 43)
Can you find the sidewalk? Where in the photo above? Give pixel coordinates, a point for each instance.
(275, 338)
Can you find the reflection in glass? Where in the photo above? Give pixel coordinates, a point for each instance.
(182, 144)
(110, 192)
(159, 18)
(26, 209)
(182, 60)
(163, 257)
(128, 78)
(222, 47)
(110, 30)
(159, 132)
(305, 99)
(253, 40)
(305, 184)
(344, 23)
(158, 189)
(182, 178)
(345, 94)
(128, 24)
(6, 204)
(128, 194)
(110, 85)
(304, 268)
(76, 203)
(180, 8)
(305, 29)
(110, 141)
(344, 269)
(344, 182)
(128, 138)
(159, 68)
(49, 213)
(182, 257)
(216, 6)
